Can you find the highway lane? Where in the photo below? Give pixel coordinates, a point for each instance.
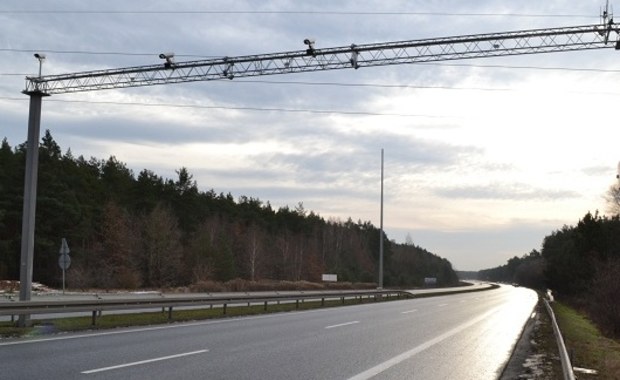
(464, 336)
(82, 296)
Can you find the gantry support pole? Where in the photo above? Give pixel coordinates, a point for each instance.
(30, 201)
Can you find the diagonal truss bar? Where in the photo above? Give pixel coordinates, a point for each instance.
(533, 41)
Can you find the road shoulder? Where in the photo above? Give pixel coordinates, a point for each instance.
(535, 354)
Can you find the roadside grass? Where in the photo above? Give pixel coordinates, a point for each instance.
(586, 345)
(108, 321)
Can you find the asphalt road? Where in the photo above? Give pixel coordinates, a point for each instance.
(463, 336)
(77, 296)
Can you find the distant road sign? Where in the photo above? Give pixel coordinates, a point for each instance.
(64, 247)
(64, 261)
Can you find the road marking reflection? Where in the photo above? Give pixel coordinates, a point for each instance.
(143, 362)
(409, 311)
(342, 324)
(381, 367)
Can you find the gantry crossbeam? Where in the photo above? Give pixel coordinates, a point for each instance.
(533, 41)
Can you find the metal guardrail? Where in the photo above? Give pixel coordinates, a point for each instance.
(567, 368)
(98, 305)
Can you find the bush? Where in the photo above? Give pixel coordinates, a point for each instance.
(241, 285)
(207, 286)
(605, 301)
(79, 278)
(128, 279)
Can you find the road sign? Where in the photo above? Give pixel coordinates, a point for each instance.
(64, 247)
(64, 261)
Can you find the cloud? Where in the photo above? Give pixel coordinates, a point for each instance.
(485, 146)
(504, 191)
(599, 171)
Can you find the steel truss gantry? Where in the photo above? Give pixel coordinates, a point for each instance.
(354, 56)
(311, 59)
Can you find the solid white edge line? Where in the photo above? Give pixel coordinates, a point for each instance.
(342, 324)
(143, 362)
(381, 367)
(409, 311)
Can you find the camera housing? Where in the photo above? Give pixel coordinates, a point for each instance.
(310, 50)
(169, 64)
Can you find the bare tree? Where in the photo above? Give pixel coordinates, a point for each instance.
(408, 239)
(612, 198)
(162, 249)
(283, 245)
(201, 250)
(254, 248)
(114, 253)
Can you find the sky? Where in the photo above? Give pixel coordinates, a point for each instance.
(483, 158)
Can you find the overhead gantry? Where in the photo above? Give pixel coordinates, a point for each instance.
(604, 35)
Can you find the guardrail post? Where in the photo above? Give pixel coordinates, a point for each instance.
(170, 313)
(297, 304)
(342, 298)
(94, 318)
(265, 306)
(224, 308)
(323, 301)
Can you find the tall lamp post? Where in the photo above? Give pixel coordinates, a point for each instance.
(381, 230)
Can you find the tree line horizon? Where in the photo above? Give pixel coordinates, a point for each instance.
(144, 231)
(579, 263)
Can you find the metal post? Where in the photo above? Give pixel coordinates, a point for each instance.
(381, 230)
(30, 201)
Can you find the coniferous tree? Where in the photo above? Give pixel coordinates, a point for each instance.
(150, 231)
